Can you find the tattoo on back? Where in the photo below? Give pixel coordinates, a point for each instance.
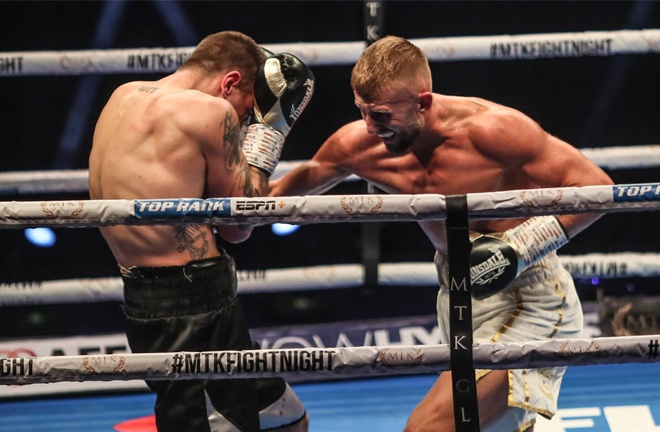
(148, 89)
(192, 238)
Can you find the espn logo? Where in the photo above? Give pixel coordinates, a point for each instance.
(255, 205)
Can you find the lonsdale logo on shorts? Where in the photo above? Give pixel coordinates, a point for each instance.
(541, 197)
(62, 209)
(360, 203)
(489, 270)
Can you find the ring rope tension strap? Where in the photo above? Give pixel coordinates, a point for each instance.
(464, 386)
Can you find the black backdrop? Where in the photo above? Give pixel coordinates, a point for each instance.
(589, 101)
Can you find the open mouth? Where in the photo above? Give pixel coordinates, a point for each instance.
(386, 135)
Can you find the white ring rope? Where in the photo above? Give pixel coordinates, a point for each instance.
(622, 157)
(362, 361)
(603, 266)
(504, 47)
(53, 181)
(328, 208)
(50, 181)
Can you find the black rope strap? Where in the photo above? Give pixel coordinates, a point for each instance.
(464, 385)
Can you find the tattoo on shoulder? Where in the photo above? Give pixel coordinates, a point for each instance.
(231, 144)
(192, 238)
(148, 89)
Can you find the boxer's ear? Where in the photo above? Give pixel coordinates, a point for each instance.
(425, 101)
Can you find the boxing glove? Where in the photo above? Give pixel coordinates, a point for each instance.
(248, 121)
(497, 259)
(283, 87)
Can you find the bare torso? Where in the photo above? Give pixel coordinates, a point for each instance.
(148, 144)
(452, 155)
(448, 166)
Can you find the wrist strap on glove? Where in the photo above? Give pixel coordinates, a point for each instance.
(263, 146)
(535, 238)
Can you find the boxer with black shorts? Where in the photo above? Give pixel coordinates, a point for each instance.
(182, 137)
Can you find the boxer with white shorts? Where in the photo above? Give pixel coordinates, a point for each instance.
(540, 304)
(414, 141)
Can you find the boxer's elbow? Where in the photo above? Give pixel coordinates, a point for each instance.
(234, 233)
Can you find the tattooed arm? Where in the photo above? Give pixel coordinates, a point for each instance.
(249, 180)
(229, 174)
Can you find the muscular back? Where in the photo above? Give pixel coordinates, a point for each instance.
(157, 141)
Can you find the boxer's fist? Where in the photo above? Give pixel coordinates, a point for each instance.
(283, 87)
(497, 259)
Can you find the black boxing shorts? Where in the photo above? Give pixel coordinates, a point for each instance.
(192, 308)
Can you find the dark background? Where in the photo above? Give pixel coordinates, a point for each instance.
(46, 122)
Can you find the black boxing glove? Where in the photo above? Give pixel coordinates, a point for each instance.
(497, 259)
(283, 86)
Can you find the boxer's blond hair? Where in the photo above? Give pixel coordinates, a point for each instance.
(391, 62)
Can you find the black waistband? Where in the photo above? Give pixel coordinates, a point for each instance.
(197, 287)
(173, 271)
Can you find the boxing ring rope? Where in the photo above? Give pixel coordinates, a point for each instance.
(353, 360)
(504, 47)
(62, 181)
(328, 208)
(145, 60)
(362, 361)
(85, 290)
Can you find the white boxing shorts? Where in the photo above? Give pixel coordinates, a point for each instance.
(538, 305)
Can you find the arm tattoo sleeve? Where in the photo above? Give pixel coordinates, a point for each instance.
(231, 144)
(251, 189)
(233, 148)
